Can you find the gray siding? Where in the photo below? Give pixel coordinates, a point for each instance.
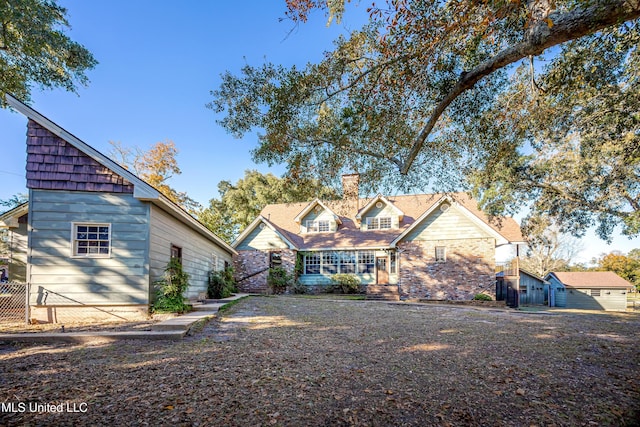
(58, 278)
(384, 211)
(609, 299)
(197, 251)
(451, 224)
(18, 253)
(262, 239)
(531, 290)
(322, 215)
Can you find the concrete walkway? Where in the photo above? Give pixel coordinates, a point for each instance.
(170, 329)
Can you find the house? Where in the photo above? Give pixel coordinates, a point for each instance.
(13, 225)
(590, 290)
(98, 236)
(531, 288)
(431, 246)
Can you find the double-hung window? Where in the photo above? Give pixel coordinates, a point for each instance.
(441, 254)
(378, 223)
(91, 240)
(317, 226)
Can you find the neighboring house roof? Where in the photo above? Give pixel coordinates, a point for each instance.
(9, 218)
(350, 236)
(142, 190)
(590, 279)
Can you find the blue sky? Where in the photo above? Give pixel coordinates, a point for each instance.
(158, 62)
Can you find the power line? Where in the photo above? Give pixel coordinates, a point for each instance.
(12, 173)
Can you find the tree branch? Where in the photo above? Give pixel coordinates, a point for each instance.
(565, 26)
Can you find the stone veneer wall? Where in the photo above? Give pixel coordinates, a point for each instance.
(247, 263)
(468, 270)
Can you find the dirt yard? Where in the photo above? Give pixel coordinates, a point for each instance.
(307, 362)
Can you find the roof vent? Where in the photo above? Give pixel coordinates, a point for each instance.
(444, 207)
(379, 205)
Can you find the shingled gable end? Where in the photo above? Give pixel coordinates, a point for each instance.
(55, 164)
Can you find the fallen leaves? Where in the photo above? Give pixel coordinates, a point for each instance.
(320, 363)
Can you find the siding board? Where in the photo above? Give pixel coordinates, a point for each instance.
(197, 251)
(262, 239)
(119, 279)
(451, 224)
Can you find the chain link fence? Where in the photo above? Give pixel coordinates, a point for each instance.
(13, 304)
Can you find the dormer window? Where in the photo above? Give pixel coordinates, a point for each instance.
(378, 223)
(317, 226)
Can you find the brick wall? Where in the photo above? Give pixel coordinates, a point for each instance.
(247, 263)
(469, 269)
(54, 164)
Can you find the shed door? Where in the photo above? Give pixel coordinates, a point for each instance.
(382, 272)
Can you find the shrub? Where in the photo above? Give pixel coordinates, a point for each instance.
(299, 288)
(347, 283)
(278, 279)
(482, 297)
(221, 284)
(170, 289)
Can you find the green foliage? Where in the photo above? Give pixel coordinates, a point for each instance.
(580, 132)
(34, 49)
(221, 283)
(298, 288)
(278, 280)
(12, 202)
(170, 289)
(482, 297)
(242, 202)
(625, 266)
(412, 106)
(347, 283)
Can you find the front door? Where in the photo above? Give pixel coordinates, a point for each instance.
(382, 272)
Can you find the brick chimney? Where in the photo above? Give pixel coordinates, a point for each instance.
(350, 187)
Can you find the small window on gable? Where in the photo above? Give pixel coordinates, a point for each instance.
(317, 226)
(378, 223)
(441, 254)
(91, 240)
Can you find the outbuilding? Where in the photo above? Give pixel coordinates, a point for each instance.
(590, 290)
(94, 237)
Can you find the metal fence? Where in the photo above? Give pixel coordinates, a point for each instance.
(13, 303)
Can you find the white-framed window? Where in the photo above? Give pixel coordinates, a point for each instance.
(348, 262)
(378, 223)
(393, 262)
(317, 226)
(366, 261)
(441, 254)
(91, 240)
(312, 263)
(214, 262)
(330, 261)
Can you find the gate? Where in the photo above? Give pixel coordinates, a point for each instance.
(13, 303)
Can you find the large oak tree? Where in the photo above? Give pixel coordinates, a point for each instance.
(427, 94)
